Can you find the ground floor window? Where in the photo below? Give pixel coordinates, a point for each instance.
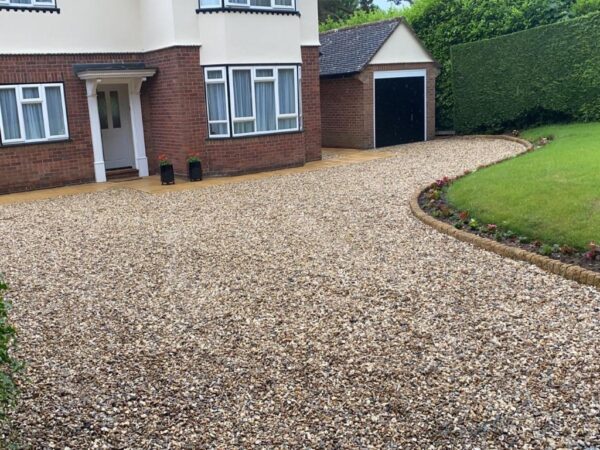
(245, 101)
(32, 113)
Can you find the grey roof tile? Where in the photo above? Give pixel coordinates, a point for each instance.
(349, 50)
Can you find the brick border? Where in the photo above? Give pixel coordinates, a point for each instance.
(569, 271)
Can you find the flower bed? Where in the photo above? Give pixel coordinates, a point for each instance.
(434, 201)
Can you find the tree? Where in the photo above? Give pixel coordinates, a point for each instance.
(366, 5)
(336, 9)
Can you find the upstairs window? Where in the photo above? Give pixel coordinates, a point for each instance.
(29, 3)
(263, 100)
(284, 5)
(32, 113)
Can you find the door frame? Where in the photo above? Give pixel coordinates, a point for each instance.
(134, 80)
(386, 74)
(124, 106)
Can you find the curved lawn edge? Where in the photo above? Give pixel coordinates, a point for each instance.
(568, 271)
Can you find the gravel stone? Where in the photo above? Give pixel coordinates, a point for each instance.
(303, 311)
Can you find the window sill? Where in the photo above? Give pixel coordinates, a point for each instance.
(255, 136)
(30, 9)
(282, 12)
(31, 144)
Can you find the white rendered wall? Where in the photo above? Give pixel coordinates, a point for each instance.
(234, 38)
(309, 25)
(401, 47)
(113, 26)
(83, 26)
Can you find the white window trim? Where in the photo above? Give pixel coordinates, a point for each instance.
(223, 81)
(279, 115)
(246, 5)
(34, 4)
(41, 100)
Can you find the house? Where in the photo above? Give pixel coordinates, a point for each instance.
(377, 86)
(93, 89)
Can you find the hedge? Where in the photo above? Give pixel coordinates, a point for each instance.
(9, 366)
(545, 74)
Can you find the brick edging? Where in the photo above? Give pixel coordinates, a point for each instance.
(569, 271)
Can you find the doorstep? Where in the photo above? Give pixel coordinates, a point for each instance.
(151, 185)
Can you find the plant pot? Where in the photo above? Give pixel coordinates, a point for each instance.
(195, 171)
(167, 175)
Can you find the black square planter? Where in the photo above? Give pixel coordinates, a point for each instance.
(167, 174)
(195, 171)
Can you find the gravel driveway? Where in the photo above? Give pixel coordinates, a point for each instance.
(305, 311)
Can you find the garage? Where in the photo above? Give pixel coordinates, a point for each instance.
(377, 86)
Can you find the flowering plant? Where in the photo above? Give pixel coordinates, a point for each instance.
(193, 157)
(163, 160)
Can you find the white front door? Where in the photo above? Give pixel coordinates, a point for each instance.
(115, 123)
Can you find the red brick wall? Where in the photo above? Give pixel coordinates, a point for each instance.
(174, 105)
(347, 106)
(52, 164)
(174, 115)
(311, 102)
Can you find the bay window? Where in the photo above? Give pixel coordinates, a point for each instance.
(250, 4)
(29, 3)
(263, 100)
(32, 113)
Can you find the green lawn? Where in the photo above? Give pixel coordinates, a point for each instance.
(552, 194)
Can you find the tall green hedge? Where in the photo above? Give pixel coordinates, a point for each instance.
(546, 74)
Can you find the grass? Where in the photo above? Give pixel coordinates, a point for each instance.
(552, 194)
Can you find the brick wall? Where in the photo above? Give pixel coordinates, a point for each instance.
(311, 102)
(174, 107)
(347, 106)
(174, 115)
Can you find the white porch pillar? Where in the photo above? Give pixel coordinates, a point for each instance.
(137, 126)
(99, 168)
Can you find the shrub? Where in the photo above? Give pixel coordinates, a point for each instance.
(9, 367)
(527, 78)
(582, 7)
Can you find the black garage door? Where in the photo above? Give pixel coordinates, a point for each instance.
(399, 110)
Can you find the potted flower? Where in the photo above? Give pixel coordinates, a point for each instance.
(194, 167)
(167, 175)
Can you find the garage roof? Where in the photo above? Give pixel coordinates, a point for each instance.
(349, 50)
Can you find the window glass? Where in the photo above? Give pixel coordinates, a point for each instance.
(115, 109)
(56, 112)
(266, 115)
(217, 106)
(214, 74)
(210, 3)
(264, 73)
(287, 91)
(10, 114)
(102, 110)
(34, 121)
(262, 3)
(242, 88)
(31, 93)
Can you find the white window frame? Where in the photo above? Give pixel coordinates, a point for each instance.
(223, 81)
(246, 4)
(33, 4)
(279, 115)
(40, 100)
